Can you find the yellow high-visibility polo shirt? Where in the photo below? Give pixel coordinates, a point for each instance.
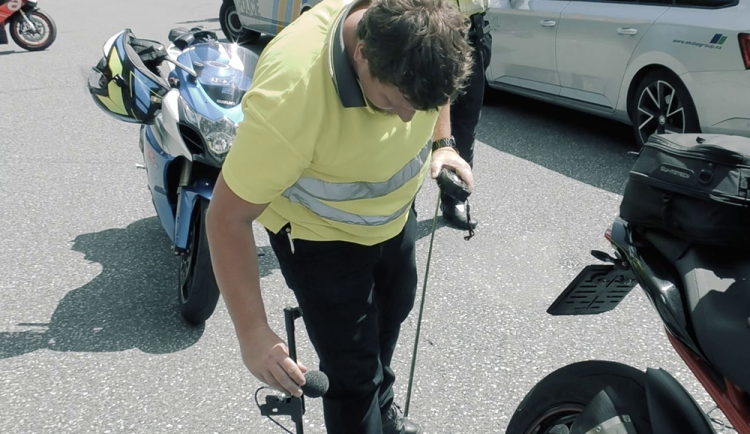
(311, 146)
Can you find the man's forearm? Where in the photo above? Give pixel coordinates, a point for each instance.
(235, 262)
(443, 125)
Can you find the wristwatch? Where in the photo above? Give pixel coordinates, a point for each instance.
(448, 142)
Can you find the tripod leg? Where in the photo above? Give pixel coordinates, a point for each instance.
(290, 315)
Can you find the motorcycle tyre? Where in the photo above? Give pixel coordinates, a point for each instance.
(199, 295)
(575, 385)
(44, 16)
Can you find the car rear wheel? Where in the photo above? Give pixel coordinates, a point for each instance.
(231, 25)
(661, 105)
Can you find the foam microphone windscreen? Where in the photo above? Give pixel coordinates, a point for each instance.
(316, 384)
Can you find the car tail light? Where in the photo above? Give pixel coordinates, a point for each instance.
(608, 234)
(745, 48)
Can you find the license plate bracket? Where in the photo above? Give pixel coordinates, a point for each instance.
(598, 288)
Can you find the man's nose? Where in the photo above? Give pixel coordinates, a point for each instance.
(406, 114)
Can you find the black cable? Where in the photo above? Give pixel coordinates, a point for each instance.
(468, 222)
(421, 310)
(269, 417)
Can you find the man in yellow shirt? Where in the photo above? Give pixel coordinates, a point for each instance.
(467, 109)
(336, 140)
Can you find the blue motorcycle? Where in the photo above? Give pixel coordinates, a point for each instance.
(186, 97)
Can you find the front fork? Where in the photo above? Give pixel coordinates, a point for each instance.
(26, 19)
(186, 172)
(4, 34)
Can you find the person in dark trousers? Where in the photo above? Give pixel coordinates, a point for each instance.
(467, 108)
(336, 141)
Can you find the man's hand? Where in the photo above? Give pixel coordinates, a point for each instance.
(448, 157)
(235, 262)
(267, 358)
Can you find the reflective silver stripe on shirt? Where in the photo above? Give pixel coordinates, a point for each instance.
(331, 213)
(310, 192)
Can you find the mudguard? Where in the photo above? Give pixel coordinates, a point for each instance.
(187, 199)
(671, 408)
(30, 6)
(604, 415)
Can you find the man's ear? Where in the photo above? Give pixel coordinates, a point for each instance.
(359, 53)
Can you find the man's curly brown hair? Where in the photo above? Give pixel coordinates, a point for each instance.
(419, 46)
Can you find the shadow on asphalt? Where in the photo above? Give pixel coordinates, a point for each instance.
(131, 304)
(592, 150)
(8, 52)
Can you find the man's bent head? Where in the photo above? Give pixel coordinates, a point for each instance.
(417, 50)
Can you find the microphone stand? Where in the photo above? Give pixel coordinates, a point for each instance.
(288, 405)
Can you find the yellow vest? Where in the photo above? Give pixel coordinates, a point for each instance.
(311, 146)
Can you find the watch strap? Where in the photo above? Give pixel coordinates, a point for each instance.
(448, 142)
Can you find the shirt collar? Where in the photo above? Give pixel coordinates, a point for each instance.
(343, 76)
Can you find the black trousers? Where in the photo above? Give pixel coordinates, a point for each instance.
(354, 299)
(467, 108)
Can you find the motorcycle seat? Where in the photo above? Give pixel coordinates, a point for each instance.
(716, 284)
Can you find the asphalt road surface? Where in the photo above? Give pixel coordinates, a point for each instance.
(90, 337)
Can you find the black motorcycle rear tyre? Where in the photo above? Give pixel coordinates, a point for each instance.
(18, 20)
(567, 390)
(198, 290)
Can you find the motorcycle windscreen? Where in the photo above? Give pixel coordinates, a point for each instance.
(227, 71)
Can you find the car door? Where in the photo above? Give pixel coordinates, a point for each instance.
(249, 12)
(595, 41)
(523, 43)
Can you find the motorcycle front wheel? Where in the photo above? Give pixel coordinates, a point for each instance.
(553, 405)
(38, 38)
(198, 291)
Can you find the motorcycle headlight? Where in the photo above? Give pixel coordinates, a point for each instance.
(218, 135)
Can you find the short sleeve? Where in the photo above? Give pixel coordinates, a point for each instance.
(261, 163)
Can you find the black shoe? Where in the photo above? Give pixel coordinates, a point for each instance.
(394, 423)
(458, 214)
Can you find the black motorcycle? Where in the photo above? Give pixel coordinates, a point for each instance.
(701, 292)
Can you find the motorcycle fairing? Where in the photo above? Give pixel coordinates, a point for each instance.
(657, 280)
(30, 6)
(717, 294)
(175, 220)
(671, 408)
(187, 199)
(156, 162)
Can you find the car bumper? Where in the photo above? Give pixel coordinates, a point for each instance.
(722, 99)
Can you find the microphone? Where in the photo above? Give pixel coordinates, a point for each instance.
(316, 384)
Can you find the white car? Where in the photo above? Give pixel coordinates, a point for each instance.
(245, 20)
(661, 66)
